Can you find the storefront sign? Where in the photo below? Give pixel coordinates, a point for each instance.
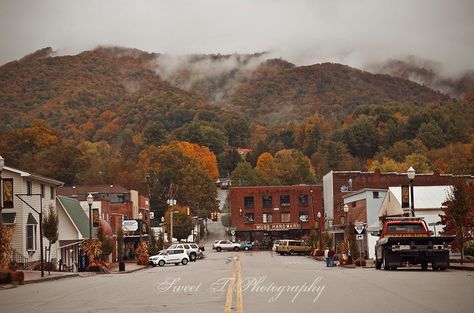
(277, 226)
(130, 225)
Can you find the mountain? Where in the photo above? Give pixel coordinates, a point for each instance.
(428, 73)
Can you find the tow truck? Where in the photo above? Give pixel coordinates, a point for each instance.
(408, 241)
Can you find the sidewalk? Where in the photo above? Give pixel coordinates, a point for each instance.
(130, 267)
(463, 267)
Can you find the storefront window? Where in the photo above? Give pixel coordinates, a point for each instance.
(249, 218)
(267, 202)
(284, 200)
(303, 200)
(267, 218)
(304, 216)
(285, 217)
(248, 202)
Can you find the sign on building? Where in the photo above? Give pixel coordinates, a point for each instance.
(130, 225)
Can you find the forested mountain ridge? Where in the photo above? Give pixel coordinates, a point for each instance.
(98, 110)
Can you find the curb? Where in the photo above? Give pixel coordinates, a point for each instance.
(131, 271)
(43, 279)
(461, 268)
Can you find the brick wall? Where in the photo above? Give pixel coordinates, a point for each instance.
(238, 209)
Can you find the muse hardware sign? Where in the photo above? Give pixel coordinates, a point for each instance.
(277, 226)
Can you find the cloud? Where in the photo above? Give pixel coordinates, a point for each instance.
(303, 32)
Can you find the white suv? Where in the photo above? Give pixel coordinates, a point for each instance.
(192, 250)
(220, 245)
(169, 256)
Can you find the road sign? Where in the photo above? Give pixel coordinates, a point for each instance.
(359, 237)
(359, 228)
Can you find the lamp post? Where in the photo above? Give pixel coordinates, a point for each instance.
(140, 216)
(90, 199)
(411, 176)
(346, 211)
(171, 202)
(320, 232)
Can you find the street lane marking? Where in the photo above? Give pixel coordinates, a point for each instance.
(236, 276)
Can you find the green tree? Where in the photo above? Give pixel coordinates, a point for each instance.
(154, 134)
(458, 213)
(182, 226)
(50, 231)
(431, 135)
(244, 175)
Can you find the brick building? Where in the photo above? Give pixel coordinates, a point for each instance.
(266, 213)
(336, 184)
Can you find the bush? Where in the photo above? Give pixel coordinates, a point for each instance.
(360, 262)
(5, 277)
(319, 252)
(469, 248)
(18, 277)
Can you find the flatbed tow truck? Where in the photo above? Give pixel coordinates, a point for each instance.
(408, 241)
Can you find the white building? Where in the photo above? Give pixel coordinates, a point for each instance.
(24, 195)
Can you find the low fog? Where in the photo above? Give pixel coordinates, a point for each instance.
(357, 33)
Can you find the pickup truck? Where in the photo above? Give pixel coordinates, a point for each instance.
(409, 241)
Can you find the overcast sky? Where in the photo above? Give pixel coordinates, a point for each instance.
(303, 32)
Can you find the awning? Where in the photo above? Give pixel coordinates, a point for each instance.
(68, 243)
(8, 218)
(31, 220)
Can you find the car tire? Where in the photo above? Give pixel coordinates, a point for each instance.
(424, 266)
(184, 261)
(246, 248)
(176, 263)
(161, 263)
(192, 257)
(291, 252)
(218, 249)
(236, 248)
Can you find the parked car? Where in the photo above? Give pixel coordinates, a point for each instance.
(246, 246)
(275, 245)
(220, 245)
(169, 256)
(293, 247)
(192, 250)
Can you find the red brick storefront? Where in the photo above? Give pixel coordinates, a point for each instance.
(266, 213)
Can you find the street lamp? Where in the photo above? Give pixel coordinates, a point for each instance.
(346, 211)
(140, 216)
(171, 202)
(411, 176)
(319, 227)
(90, 199)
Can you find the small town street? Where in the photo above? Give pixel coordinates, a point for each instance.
(268, 283)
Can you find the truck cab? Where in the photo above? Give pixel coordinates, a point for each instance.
(405, 241)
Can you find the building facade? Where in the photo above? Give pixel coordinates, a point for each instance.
(24, 196)
(267, 213)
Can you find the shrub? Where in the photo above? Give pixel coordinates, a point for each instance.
(18, 277)
(469, 248)
(5, 277)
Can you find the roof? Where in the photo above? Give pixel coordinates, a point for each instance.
(8, 218)
(70, 191)
(34, 176)
(76, 214)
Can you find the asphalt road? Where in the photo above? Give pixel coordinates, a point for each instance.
(262, 282)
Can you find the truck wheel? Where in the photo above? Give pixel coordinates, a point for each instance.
(184, 261)
(218, 249)
(161, 263)
(291, 252)
(384, 262)
(424, 266)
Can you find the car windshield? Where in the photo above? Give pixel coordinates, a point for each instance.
(405, 228)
